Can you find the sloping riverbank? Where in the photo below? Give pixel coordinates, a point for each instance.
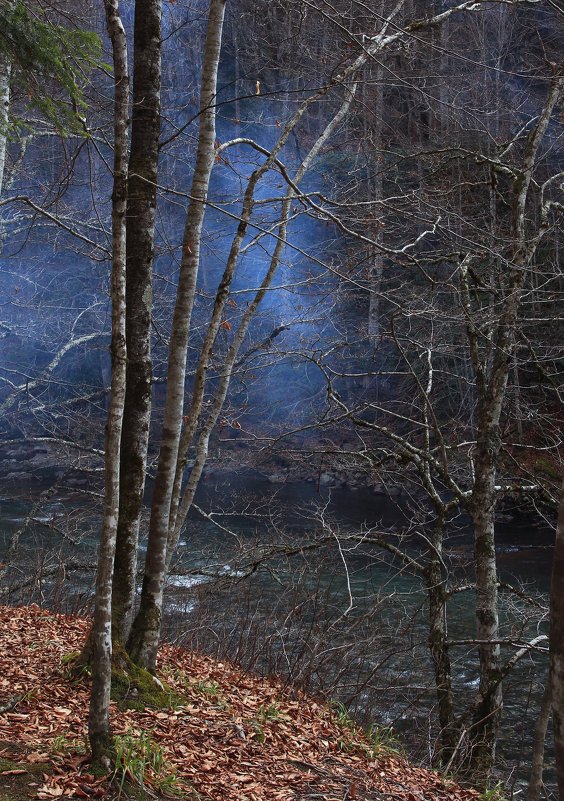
(233, 736)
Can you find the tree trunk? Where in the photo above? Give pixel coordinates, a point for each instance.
(99, 731)
(537, 757)
(143, 641)
(140, 227)
(557, 645)
(483, 733)
(5, 73)
(376, 184)
(491, 385)
(438, 644)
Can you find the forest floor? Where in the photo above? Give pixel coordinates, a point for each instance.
(225, 736)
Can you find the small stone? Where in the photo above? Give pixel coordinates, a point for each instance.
(239, 731)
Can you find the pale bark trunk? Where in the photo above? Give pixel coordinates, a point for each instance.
(486, 718)
(141, 208)
(436, 581)
(377, 193)
(5, 73)
(174, 524)
(99, 731)
(438, 644)
(143, 641)
(537, 757)
(557, 646)
(376, 188)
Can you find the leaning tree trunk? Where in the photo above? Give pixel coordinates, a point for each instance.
(181, 506)
(140, 227)
(99, 731)
(557, 646)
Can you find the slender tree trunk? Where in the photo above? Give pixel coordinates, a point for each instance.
(537, 757)
(486, 718)
(140, 225)
(143, 641)
(376, 184)
(5, 73)
(202, 445)
(438, 643)
(557, 645)
(99, 731)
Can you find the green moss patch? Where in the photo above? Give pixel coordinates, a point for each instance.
(19, 779)
(134, 687)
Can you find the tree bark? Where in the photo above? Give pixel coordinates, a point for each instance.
(486, 718)
(537, 757)
(143, 640)
(438, 644)
(140, 228)
(557, 645)
(99, 731)
(5, 73)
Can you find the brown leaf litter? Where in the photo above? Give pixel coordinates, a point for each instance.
(237, 737)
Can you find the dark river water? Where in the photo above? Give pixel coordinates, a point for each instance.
(340, 620)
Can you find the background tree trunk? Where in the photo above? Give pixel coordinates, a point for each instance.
(486, 718)
(557, 645)
(537, 757)
(438, 644)
(492, 391)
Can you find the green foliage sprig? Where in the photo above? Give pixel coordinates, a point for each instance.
(44, 56)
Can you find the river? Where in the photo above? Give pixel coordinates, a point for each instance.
(340, 620)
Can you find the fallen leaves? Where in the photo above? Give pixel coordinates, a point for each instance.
(237, 736)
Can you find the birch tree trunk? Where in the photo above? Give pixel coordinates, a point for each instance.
(140, 227)
(486, 717)
(5, 76)
(557, 645)
(5, 73)
(99, 731)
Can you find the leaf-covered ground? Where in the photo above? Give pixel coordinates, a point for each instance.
(236, 738)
